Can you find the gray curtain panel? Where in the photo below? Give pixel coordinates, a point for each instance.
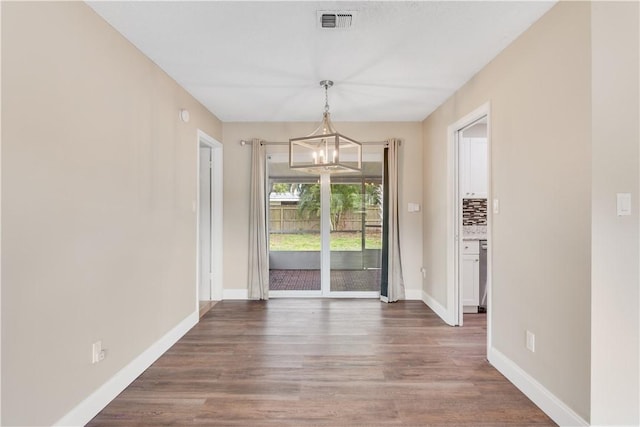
(395, 281)
(258, 285)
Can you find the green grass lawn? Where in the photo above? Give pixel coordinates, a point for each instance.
(340, 241)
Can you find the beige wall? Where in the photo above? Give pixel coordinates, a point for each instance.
(98, 180)
(237, 167)
(0, 220)
(539, 90)
(615, 332)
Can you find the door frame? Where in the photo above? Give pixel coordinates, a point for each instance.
(204, 140)
(325, 254)
(454, 223)
(325, 180)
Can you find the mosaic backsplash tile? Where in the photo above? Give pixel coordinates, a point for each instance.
(474, 212)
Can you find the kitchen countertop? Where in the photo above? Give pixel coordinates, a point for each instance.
(474, 232)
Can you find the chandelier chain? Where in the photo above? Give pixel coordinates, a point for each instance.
(326, 98)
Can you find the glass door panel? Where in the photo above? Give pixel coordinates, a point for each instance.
(294, 229)
(356, 226)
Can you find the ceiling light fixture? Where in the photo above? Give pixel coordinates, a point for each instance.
(325, 150)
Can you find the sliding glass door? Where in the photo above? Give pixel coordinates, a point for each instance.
(325, 231)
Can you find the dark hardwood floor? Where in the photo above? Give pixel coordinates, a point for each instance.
(318, 362)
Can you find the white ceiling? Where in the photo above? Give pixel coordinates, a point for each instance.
(262, 61)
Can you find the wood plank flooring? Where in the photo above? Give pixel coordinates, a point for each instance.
(317, 362)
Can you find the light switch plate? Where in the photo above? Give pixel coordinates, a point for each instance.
(623, 204)
(496, 206)
(531, 341)
(96, 351)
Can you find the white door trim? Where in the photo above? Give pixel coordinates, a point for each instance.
(454, 225)
(216, 215)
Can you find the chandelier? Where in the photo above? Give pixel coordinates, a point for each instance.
(325, 150)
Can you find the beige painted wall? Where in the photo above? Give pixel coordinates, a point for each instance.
(0, 220)
(98, 180)
(615, 330)
(237, 167)
(539, 90)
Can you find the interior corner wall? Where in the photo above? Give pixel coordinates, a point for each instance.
(98, 180)
(0, 222)
(237, 173)
(615, 329)
(539, 94)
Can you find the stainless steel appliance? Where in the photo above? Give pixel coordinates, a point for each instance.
(483, 276)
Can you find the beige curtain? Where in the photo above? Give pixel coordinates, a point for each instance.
(258, 285)
(395, 289)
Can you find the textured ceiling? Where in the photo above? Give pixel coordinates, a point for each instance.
(262, 61)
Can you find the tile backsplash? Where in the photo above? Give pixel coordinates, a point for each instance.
(474, 212)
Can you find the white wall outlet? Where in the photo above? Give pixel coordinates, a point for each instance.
(97, 353)
(496, 206)
(531, 341)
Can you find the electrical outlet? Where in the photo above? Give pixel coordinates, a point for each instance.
(531, 341)
(97, 353)
(413, 207)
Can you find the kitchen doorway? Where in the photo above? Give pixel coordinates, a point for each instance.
(469, 248)
(472, 216)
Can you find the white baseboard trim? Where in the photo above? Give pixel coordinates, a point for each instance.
(413, 294)
(409, 294)
(235, 294)
(557, 410)
(92, 405)
(437, 308)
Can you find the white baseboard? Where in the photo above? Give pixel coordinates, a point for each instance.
(235, 294)
(92, 405)
(437, 308)
(557, 410)
(409, 294)
(413, 294)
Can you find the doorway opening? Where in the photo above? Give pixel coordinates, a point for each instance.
(325, 231)
(209, 223)
(469, 225)
(472, 216)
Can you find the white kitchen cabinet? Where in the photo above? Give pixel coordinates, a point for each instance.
(473, 165)
(470, 276)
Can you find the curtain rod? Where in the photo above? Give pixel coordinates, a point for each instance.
(244, 142)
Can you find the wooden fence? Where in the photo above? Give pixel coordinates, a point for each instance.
(287, 219)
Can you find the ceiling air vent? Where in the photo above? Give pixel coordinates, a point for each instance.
(330, 20)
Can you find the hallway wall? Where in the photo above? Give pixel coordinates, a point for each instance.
(98, 181)
(539, 94)
(615, 277)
